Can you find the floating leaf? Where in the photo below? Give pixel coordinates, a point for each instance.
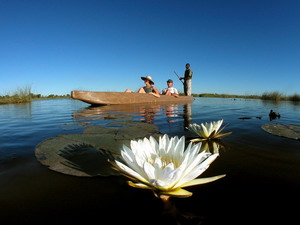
(86, 154)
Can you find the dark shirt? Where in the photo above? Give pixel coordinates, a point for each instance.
(188, 74)
(148, 89)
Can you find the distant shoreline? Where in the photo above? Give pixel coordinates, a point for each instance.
(25, 96)
(275, 96)
(15, 99)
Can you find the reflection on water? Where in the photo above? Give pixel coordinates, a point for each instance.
(212, 146)
(146, 112)
(262, 170)
(187, 112)
(171, 112)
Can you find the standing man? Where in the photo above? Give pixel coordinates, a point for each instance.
(187, 80)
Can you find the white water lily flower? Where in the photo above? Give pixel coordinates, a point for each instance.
(207, 131)
(165, 167)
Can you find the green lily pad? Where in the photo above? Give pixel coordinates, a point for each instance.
(87, 154)
(288, 131)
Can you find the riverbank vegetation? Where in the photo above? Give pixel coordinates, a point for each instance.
(274, 96)
(20, 95)
(210, 95)
(24, 95)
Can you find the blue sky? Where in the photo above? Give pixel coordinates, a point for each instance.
(233, 46)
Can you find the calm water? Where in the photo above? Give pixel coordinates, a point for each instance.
(262, 182)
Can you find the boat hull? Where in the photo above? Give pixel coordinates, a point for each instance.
(117, 98)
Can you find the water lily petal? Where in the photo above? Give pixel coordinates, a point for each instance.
(195, 128)
(209, 127)
(202, 180)
(131, 162)
(179, 146)
(222, 134)
(218, 125)
(161, 145)
(204, 132)
(196, 168)
(169, 174)
(180, 193)
(157, 163)
(191, 158)
(212, 135)
(149, 146)
(170, 144)
(205, 163)
(127, 155)
(139, 185)
(130, 172)
(195, 140)
(149, 171)
(192, 149)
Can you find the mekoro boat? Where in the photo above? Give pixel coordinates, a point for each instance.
(116, 98)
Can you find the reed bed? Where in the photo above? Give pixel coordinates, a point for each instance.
(21, 95)
(274, 96)
(295, 98)
(277, 96)
(227, 96)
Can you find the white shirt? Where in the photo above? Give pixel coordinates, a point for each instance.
(171, 89)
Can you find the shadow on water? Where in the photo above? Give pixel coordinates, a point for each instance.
(87, 159)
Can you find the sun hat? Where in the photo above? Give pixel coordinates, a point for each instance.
(148, 78)
(169, 81)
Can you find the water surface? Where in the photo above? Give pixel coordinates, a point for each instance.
(262, 171)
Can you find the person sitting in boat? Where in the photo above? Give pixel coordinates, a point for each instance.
(170, 90)
(148, 88)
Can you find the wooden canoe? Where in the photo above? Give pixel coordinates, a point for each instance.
(116, 98)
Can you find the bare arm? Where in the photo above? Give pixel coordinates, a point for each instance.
(156, 92)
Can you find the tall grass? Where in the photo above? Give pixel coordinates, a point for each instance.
(226, 96)
(295, 98)
(277, 96)
(21, 95)
(274, 96)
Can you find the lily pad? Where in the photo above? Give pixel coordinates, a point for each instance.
(87, 154)
(288, 131)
